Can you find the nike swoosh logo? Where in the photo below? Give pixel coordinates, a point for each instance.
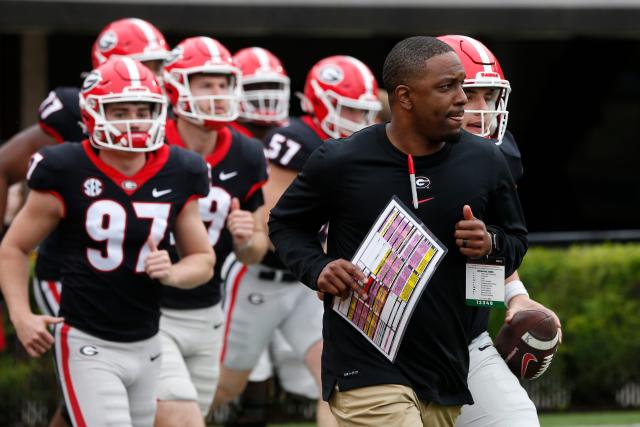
(526, 359)
(159, 193)
(217, 326)
(153, 358)
(484, 347)
(425, 200)
(225, 176)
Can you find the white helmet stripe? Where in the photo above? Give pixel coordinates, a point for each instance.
(134, 73)
(211, 47)
(484, 55)
(147, 30)
(263, 59)
(539, 344)
(367, 77)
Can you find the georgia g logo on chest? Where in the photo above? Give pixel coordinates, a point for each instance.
(423, 183)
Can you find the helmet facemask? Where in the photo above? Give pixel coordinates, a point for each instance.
(201, 109)
(337, 126)
(133, 135)
(493, 121)
(265, 99)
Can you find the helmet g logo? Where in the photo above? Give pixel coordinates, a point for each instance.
(91, 81)
(331, 75)
(108, 41)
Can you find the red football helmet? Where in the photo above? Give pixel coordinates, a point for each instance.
(336, 88)
(483, 71)
(123, 80)
(265, 86)
(130, 37)
(202, 55)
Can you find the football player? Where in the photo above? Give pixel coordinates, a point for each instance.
(340, 97)
(499, 398)
(264, 106)
(264, 99)
(116, 198)
(203, 86)
(59, 121)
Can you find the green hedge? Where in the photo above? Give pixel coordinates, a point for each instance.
(595, 290)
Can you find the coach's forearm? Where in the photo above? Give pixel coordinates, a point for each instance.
(192, 271)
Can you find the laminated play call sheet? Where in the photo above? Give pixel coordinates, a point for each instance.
(398, 257)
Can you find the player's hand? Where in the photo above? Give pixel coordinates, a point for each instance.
(240, 224)
(523, 302)
(158, 264)
(340, 277)
(33, 332)
(471, 235)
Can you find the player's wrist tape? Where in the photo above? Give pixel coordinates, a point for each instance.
(513, 289)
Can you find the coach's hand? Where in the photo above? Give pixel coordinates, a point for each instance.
(471, 235)
(340, 277)
(33, 332)
(158, 264)
(240, 224)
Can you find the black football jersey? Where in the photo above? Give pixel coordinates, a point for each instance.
(238, 169)
(108, 219)
(59, 115)
(289, 147)
(511, 153)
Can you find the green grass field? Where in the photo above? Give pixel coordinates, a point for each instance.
(621, 418)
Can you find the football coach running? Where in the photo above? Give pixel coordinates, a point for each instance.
(467, 199)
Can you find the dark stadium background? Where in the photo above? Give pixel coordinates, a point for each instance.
(574, 73)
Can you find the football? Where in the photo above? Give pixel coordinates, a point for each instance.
(528, 343)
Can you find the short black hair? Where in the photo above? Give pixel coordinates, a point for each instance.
(407, 60)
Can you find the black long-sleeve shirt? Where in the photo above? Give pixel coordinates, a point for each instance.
(347, 183)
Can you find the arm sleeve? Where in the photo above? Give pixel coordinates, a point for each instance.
(59, 115)
(42, 173)
(295, 220)
(202, 179)
(506, 219)
(254, 198)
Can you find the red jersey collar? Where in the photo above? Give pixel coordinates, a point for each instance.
(155, 161)
(223, 143)
(308, 120)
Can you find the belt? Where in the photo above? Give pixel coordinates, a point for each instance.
(277, 276)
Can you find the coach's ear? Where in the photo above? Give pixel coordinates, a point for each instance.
(403, 97)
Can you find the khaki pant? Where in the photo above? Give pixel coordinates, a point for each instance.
(389, 405)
